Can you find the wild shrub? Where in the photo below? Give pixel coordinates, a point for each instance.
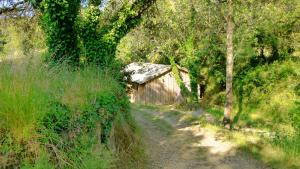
(58, 117)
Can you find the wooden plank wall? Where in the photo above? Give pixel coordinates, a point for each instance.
(186, 79)
(162, 90)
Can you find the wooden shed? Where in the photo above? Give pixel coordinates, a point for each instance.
(154, 83)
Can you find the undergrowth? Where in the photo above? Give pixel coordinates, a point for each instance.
(129, 144)
(58, 117)
(267, 98)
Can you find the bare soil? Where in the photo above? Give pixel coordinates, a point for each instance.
(188, 146)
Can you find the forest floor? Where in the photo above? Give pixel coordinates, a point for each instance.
(172, 143)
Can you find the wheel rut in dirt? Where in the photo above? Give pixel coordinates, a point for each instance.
(187, 146)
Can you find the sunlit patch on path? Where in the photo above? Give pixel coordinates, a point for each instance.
(188, 146)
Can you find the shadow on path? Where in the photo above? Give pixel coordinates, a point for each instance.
(188, 146)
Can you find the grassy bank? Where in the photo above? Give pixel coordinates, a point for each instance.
(267, 100)
(275, 149)
(59, 118)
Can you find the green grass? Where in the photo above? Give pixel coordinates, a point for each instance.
(162, 124)
(172, 112)
(280, 152)
(49, 117)
(267, 98)
(129, 144)
(26, 91)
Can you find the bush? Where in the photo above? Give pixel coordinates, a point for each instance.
(57, 118)
(267, 92)
(268, 99)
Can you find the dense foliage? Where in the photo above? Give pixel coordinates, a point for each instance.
(57, 118)
(67, 116)
(58, 22)
(20, 38)
(193, 34)
(65, 30)
(266, 47)
(198, 37)
(60, 116)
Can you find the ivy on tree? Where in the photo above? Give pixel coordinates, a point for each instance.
(58, 22)
(99, 42)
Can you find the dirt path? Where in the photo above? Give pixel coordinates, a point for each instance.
(172, 145)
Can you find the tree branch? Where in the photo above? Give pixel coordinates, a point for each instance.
(133, 15)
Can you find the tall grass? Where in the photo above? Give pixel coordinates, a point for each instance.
(23, 98)
(26, 89)
(72, 101)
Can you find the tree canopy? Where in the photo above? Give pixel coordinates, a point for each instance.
(242, 57)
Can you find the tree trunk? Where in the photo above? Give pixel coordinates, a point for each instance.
(229, 67)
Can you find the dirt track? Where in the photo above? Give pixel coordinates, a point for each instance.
(188, 146)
